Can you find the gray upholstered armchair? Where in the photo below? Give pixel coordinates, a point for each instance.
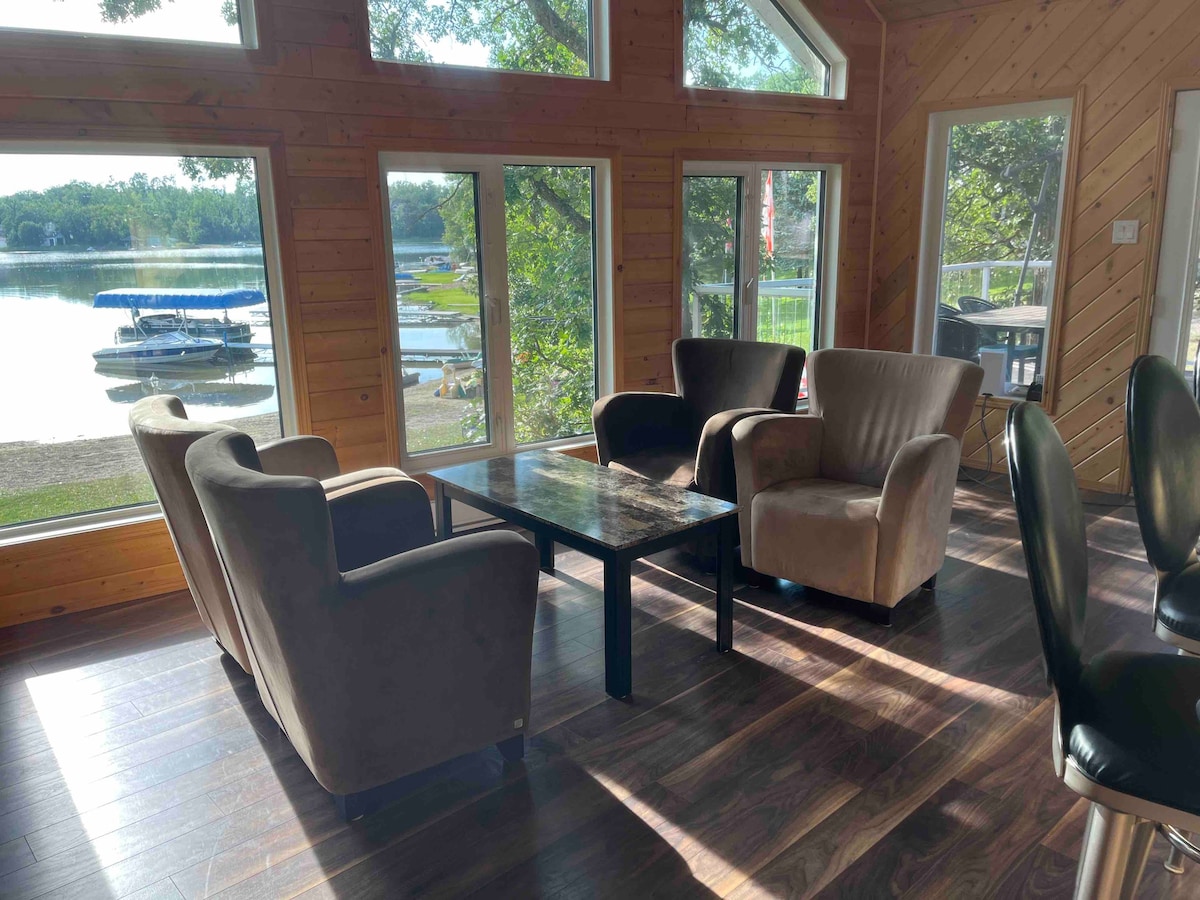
(685, 438)
(855, 497)
(401, 515)
(373, 672)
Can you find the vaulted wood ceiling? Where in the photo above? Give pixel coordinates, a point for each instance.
(903, 10)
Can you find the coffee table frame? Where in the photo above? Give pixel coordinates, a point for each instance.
(618, 601)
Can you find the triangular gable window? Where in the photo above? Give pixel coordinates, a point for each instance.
(759, 45)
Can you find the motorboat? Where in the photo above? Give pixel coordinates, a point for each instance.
(170, 350)
(164, 323)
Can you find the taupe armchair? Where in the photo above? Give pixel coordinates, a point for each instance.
(374, 672)
(855, 497)
(684, 438)
(402, 517)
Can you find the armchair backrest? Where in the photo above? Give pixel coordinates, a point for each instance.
(714, 374)
(163, 433)
(872, 402)
(274, 538)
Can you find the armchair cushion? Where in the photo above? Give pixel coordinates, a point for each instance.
(819, 533)
(670, 465)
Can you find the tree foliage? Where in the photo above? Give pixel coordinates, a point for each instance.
(141, 211)
(1000, 175)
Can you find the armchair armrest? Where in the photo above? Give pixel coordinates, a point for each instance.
(768, 450)
(304, 454)
(632, 421)
(914, 515)
(714, 459)
(433, 655)
(378, 518)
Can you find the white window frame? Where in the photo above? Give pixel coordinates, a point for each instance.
(751, 206)
(272, 262)
(599, 47)
(797, 28)
(1179, 251)
(247, 25)
(493, 259)
(933, 208)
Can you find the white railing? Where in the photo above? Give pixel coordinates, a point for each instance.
(987, 266)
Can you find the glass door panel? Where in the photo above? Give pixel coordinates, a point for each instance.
(711, 238)
(440, 309)
(999, 243)
(789, 256)
(551, 248)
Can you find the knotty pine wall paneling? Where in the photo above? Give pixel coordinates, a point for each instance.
(1122, 59)
(313, 92)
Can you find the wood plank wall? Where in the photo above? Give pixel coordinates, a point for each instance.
(314, 96)
(1125, 57)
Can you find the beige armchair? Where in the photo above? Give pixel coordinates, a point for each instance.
(401, 519)
(375, 672)
(855, 497)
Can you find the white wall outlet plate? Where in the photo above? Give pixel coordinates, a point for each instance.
(1125, 231)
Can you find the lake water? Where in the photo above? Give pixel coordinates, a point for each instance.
(49, 330)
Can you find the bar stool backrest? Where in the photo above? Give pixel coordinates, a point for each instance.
(1050, 517)
(1163, 427)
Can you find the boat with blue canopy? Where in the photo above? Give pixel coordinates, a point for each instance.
(174, 304)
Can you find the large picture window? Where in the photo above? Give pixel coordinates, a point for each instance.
(124, 276)
(551, 37)
(204, 21)
(501, 283)
(757, 252)
(992, 215)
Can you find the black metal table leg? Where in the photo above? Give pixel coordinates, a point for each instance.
(726, 532)
(443, 519)
(545, 548)
(618, 628)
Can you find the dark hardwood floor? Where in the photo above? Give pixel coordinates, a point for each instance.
(825, 756)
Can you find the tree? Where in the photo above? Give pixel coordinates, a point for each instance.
(29, 235)
(1000, 176)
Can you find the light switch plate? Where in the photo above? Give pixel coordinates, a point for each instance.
(1125, 231)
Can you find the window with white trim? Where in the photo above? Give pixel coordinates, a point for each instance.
(759, 251)
(194, 21)
(502, 283)
(992, 214)
(124, 273)
(772, 46)
(547, 37)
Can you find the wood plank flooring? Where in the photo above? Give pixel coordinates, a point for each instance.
(825, 756)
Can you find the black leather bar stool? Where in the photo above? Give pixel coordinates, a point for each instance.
(1127, 729)
(1163, 426)
(1162, 423)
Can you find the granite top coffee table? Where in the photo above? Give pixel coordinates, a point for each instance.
(609, 515)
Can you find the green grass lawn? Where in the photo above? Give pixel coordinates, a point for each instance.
(445, 295)
(437, 277)
(56, 500)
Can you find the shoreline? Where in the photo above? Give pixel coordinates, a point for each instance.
(28, 465)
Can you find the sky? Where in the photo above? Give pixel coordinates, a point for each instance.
(194, 20)
(38, 171)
